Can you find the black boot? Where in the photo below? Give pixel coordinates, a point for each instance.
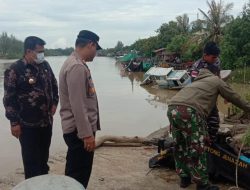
(185, 182)
(207, 187)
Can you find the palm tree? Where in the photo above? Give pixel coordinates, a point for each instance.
(197, 25)
(216, 18)
(183, 23)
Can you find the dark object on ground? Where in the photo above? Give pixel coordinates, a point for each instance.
(207, 187)
(185, 182)
(222, 161)
(165, 154)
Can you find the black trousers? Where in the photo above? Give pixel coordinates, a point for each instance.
(213, 123)
(78, 161)
(35, 143)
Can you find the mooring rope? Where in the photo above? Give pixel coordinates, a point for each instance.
(236, 187)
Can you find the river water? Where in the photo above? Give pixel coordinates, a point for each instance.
(126, 108)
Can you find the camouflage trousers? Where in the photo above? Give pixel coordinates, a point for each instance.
(190, 135)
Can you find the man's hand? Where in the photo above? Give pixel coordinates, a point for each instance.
(53, 110)
(89, 143)
(16, 131)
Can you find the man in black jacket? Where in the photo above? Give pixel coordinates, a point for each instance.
(30, 101)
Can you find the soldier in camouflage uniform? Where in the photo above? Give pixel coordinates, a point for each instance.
(210, 61)
(189, 149)
(187, 114)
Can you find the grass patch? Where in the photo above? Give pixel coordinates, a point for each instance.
(247, 138)
(241, 75)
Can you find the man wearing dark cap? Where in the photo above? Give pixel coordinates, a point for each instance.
(30, 101)
(210, 60)
(79, 107)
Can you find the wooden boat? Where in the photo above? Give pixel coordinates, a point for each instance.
(146, 65)
(176, 79)
(222, 160)
(155, 73)
(167, 78)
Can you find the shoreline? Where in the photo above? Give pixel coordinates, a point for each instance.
(116, 168)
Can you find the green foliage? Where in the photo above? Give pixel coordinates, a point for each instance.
(178, 36)
(236, 43)
(186, 38)
(183, 23)
(246, 138)
(246, 11)
(247, 97)
(241, 75)
(177, 43)
(166, 32)
(197, 25)
(10, 47)
(183, 45)
(119, 46)
(192, 52)
(58, 52)
(216, 18)
(146, 46)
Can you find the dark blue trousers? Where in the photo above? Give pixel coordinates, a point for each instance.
(35, 143)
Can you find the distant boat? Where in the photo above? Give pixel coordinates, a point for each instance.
(146, 65)
(128, 57)
(133, 63)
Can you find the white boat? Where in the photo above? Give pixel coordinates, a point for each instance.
(176, 79)
(169, 78)
(155, 73)
(225, 74)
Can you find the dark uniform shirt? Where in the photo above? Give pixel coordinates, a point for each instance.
(201, 64)
(213, 120)
(30, 91)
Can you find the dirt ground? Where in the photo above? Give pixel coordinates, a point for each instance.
(114, 168)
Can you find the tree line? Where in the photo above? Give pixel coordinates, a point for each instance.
(12, 48)
(188, 38)
(180, 36)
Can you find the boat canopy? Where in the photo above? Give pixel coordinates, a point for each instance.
(128, 57)
(158, 71)
(176, 74)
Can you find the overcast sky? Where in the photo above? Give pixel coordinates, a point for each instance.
(59, 21)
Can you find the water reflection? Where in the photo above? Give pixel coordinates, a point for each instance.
(156, 97)
(135, 78)
(126, 108)
(159, 97)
